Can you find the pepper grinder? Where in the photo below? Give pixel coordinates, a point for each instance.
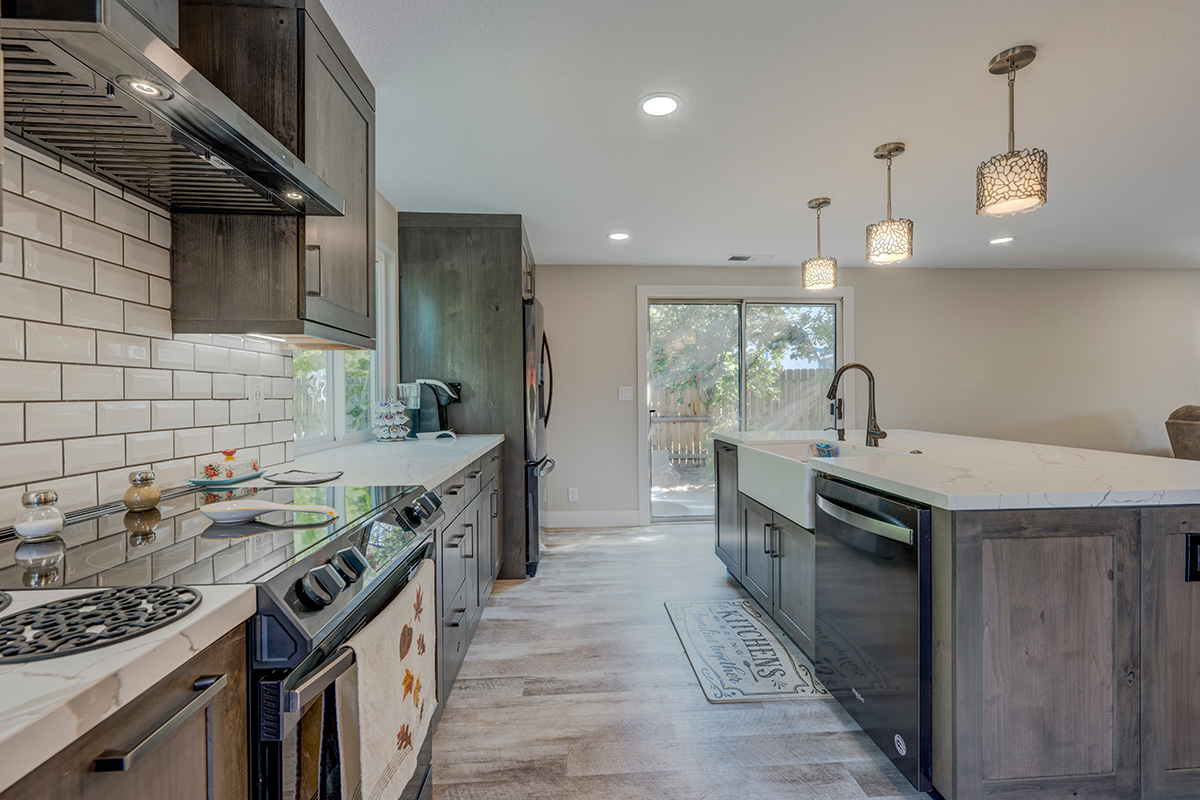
(40, 518)
(142, 495)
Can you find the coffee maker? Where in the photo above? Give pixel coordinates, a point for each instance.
(443, 394)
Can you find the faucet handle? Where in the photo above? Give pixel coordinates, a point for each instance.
(841, 432)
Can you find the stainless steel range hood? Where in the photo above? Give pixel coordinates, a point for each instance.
(99, 83)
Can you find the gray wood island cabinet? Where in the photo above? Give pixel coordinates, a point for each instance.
(1066, 641)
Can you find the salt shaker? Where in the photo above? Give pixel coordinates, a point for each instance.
(142, 495)
(40, 518)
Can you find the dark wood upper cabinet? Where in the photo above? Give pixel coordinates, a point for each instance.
(310, 280)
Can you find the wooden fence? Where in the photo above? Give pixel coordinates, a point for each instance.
(681, 421)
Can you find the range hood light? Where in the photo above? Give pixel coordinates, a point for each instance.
(293, 196)
(151, 90)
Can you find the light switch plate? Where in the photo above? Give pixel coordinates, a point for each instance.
(625, 394)
(256, 393)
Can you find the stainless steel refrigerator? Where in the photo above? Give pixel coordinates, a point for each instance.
(539, 399)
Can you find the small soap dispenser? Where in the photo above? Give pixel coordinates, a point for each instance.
(39, 517)
(142, 494)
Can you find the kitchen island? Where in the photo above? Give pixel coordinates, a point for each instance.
(1065, 637)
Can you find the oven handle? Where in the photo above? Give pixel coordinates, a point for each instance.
(312, 686)
(897, 533)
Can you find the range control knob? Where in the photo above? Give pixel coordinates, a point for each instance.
(349, 563)
(319, 587)
(430, 502)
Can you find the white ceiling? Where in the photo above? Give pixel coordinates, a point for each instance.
(529, 107)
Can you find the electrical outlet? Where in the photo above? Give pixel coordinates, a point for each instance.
(573, 494)
(625, 394)
(256, 393)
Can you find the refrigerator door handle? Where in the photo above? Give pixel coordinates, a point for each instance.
(549, 380)
(547, 467)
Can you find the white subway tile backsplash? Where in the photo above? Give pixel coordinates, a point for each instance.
(148, 320)
(59, 420)
(193, 385)
(44, 342)
(160, 231)
(193, 442)
(47, 185)
(86, 382)
(30, 220)
(229, 387)
(211, 359)
(28, 300)
(20, 380)
(229, 437)
(156, 446)
(211, 412)
(168, 354)
(93, 455)
(92, 310)
(111, 484)
(289, 448)
(271, 454)
(281, 388)
(148, 384)
(85, 236)
(160, 292)
(227, 340)
(273, 410)
(122, 215)
(171, 474)
(123, 416)
(74, 494)
(90, 178)
(243, 362)
(142, 202)
(12, 338)
(147, 257)
(57, 266)
(12, 173)
(271, 365)
(25, 463)
(258, 433)
(194, 338)
(28, 151)
(171, 414)
(12, 423)
(117, 281)
(11, 260)
(239, 412)
(287, 367)
(121, 350)
(282, 431)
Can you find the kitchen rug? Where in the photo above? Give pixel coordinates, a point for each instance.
(736, 657)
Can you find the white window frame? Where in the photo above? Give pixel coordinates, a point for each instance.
(843, 297)
(386, 355)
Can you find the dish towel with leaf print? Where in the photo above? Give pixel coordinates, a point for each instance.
(394, 655)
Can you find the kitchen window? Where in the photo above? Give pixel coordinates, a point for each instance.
(334, 390)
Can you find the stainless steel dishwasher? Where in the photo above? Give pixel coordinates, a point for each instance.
(873, 633)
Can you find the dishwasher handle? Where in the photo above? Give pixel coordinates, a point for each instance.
(897, 533)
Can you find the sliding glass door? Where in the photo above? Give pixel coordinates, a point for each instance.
(729, 365)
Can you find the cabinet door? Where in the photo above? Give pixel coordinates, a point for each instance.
(759, 575)
(795, 581)
(489, 522)
(339, 146)
(1170, 653)
(497, 529)
(729, 533)
(204, 756)
(470, 555)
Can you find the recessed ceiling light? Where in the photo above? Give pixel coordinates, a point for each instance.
(1003, 240)
(660, 104)
(618, 237)
(151, 90)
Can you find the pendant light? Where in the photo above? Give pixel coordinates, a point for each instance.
(818, 274)
(1012, 182)
(889, 241)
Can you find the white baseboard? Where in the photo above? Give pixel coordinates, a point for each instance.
(591, 519)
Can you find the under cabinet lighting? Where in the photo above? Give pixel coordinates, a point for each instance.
(618, 237)
(659, 104)
(264, 336)
(1003, 240)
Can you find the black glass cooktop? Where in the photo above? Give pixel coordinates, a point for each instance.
(177, 544)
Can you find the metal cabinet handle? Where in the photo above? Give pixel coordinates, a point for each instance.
(878, 527)
(495, 503)
(462, 612)
(473, 475)
(456, 541)
(206, 688)
(308, 689)
(767, 538)
(775, 539)
(468, 527)
(454, 490)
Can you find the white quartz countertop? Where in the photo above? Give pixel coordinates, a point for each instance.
(45, 705)
(967, 473)
(427, 462)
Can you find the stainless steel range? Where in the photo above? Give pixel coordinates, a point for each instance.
(319, 582)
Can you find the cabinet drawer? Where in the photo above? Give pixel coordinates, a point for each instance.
(491, 465)
(453, 492)
(473, 478)
(452, 641)
(452, 546)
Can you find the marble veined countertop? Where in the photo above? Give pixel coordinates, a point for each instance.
(427, 462)
(45, 705)
(967, 473)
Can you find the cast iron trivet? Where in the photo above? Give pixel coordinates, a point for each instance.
(5, 600)
(91, 620)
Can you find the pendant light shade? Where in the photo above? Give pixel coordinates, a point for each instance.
(819, 274)
(889, 241)
(1013, 182)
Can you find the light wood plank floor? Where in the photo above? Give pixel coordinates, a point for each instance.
(576, 686)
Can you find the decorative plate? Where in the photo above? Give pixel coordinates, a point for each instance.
(225, 481)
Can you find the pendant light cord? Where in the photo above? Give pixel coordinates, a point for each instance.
(889, 187)
(1012, 136)
(818, 231)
